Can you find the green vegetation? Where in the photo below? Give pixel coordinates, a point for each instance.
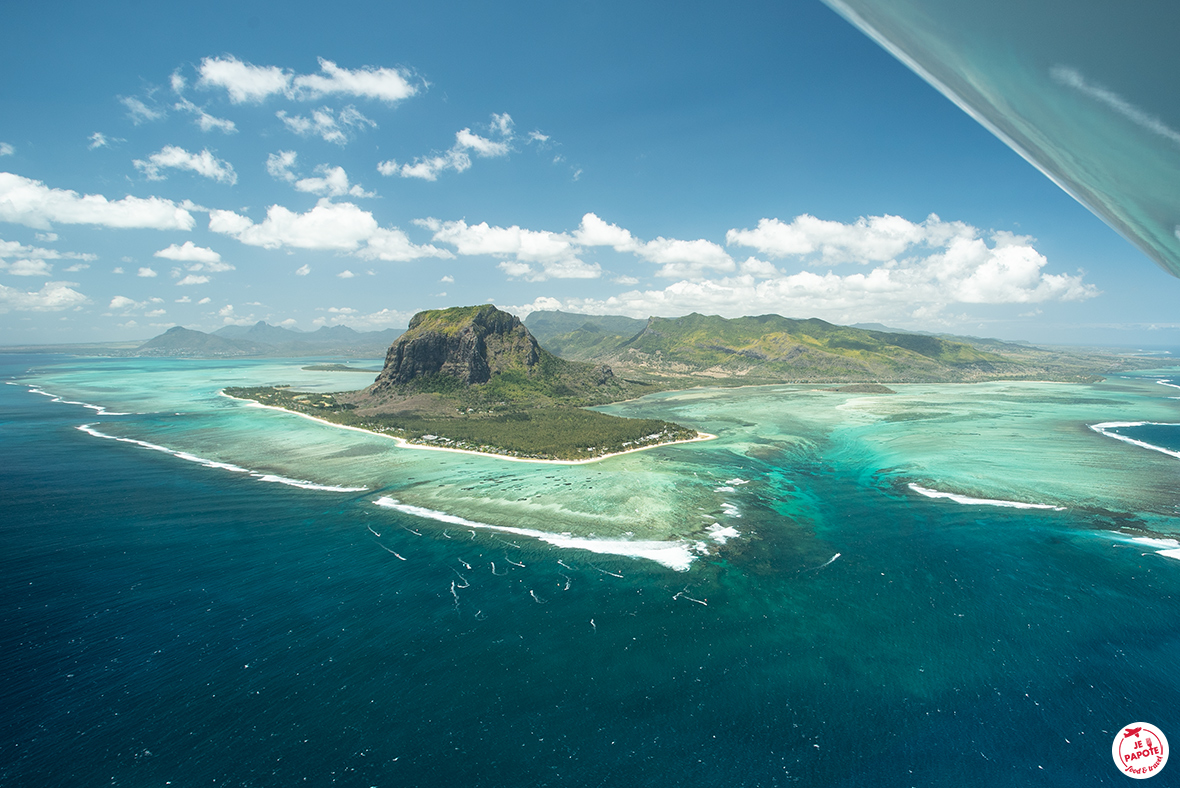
(669, 352)
(562, 433)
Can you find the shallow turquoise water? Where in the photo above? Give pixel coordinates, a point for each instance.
(166, 620)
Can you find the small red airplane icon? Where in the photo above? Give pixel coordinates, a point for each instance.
(1131, 732)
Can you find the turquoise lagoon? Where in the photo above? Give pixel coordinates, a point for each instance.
(967, 584)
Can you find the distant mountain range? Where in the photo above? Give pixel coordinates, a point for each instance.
(771, 349)
(263, 339)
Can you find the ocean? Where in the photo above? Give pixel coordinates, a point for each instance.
(970, 585)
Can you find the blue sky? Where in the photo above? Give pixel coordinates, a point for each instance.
(308, 166)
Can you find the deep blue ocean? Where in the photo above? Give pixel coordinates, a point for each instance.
(165, 623)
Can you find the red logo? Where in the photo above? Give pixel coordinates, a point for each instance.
(1140, 750)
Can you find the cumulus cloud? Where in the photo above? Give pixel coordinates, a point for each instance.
(245, 82)
(918, 270)
(203, 163)
(867, 240)
(27, 267)
(242, 81)
(99, 140)
(303, 270)
(335, 127)
(189, 252)
(193, 279)
(458, 158)
(333, 182)
(340, 227)
(147, 273)
(346, 274)
(537, 255)
(280, 165)
(53, 297)
(32, 203)
(140, 112)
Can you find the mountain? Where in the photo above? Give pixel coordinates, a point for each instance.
(178, 341)
(481, 357)
(263, 339)
(771, 348)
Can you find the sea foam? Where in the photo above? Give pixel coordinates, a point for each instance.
(968, 501)
(225, 466)
(1171, 547)
(98, 409)
(1106, 427)
(674, 555)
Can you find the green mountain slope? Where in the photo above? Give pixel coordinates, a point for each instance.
(771, 348)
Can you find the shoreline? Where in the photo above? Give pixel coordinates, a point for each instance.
(405, 444)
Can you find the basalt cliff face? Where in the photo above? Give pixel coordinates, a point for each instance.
(468, 344)
(484, 357)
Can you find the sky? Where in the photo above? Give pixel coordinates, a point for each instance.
(227, 163)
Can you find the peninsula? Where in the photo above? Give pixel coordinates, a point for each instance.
(475, 379)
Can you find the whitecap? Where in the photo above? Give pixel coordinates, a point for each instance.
(674, 555)
(722, 535)
(730, 510)
(1106, 427)
(968, 501)
(1171, 547)
(1168, 383)
(724, 489)
(98, 409)
(225, 466)
(737, 481)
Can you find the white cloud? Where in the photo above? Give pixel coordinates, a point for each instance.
(117, 270)
(32, 203)
(14, 249)
(346, 274)
(204, 120)
(384, 84)
(147, 273)
(155, 313)
(279, 165)
(333, 182)
(337, 226)
(867, 240)
(140, 112)
(448, 279)
(324, 123)
(123, 304)
(536, 136)
(625, 280)
(244, 82)
(189, 252)
(303, 270)
(458, 158)
(184, 300)
(6, 149)
(525, 245)
(53, 297)
(77, 267)
(26, 267)
(203, 163)
(100, 140)
(193, 279)
(949, 264)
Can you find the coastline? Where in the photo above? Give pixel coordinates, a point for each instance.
(405, 444)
